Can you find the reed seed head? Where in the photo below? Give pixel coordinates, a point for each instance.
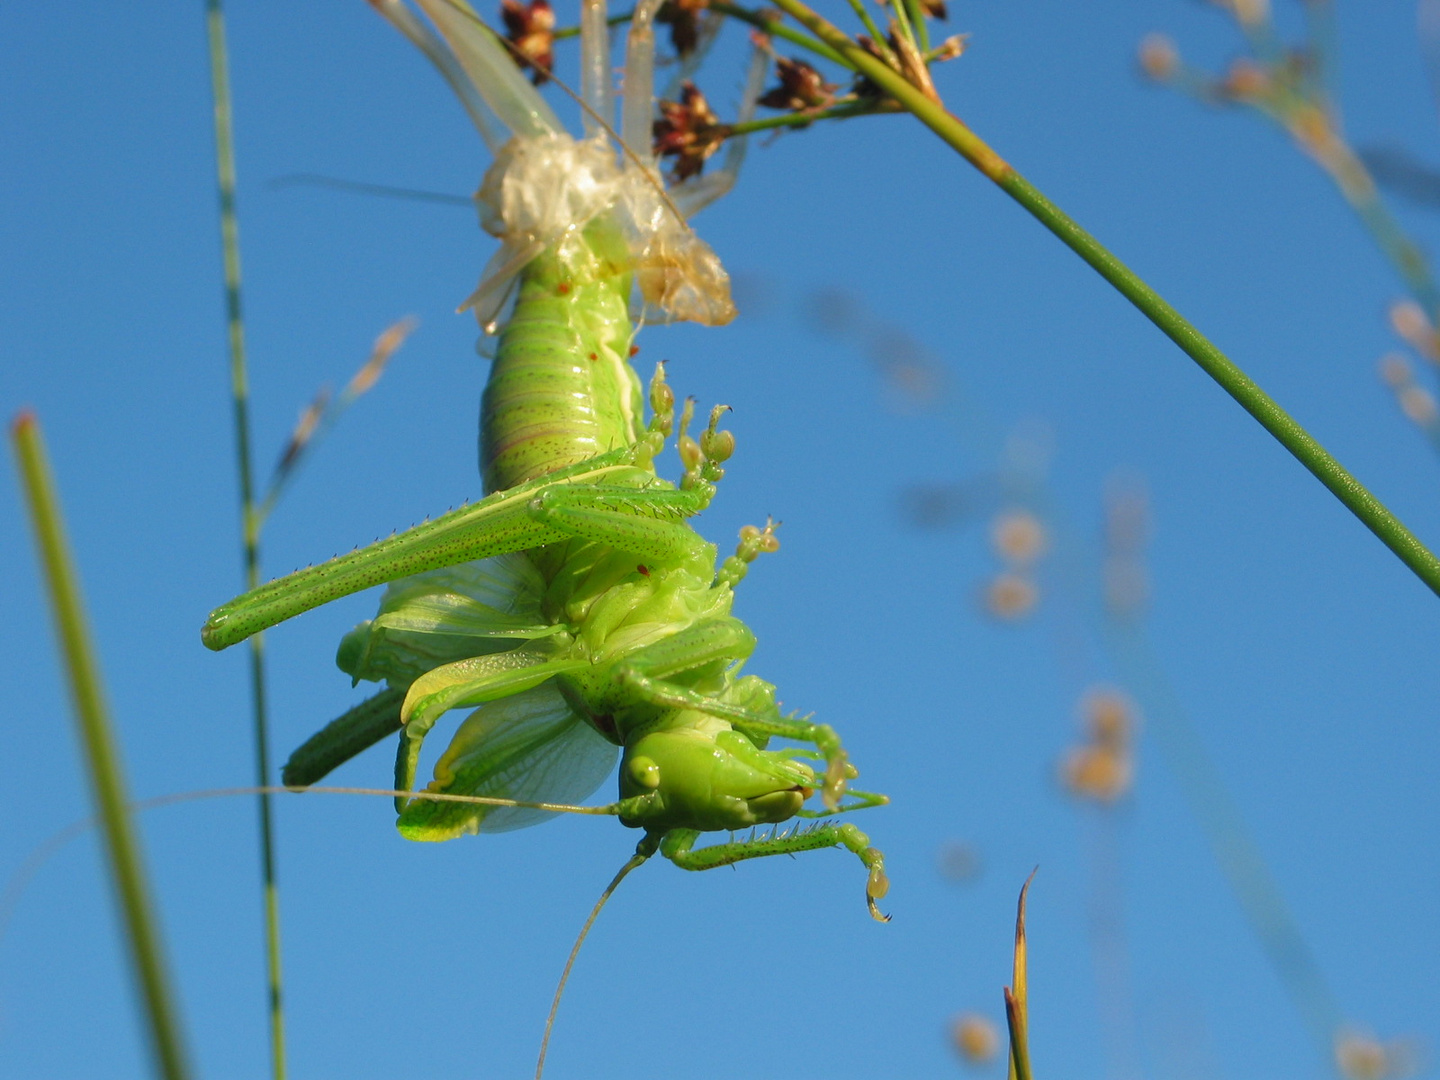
(1011, 597)
(530, 29)
(975, 1038)
(1158, 56)
(1018, 537)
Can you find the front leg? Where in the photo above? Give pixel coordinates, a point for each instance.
(648, 672)
(678, 847)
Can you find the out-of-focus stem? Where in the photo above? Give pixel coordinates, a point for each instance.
(102, 754)
(1336, 478)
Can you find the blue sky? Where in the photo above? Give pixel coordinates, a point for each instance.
(1298, 648)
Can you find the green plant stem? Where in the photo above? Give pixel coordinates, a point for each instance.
(802, 119)
(102, 754)
(1345, 487)
(250, 521)
(563, 32)
(775, 28)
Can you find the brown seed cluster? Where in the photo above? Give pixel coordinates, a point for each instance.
(530, 29)
(688, 132)
(802, 88)
(1018, 538)
(683, 18)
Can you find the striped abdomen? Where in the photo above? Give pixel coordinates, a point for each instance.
(562, 389)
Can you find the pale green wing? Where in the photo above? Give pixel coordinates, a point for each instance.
(441, 616)
(531, 746)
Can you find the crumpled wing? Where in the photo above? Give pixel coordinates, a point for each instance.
(531, 746)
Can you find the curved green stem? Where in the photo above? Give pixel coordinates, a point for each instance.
(1345, 487)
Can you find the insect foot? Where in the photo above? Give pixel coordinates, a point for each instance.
(702, 459)
(753, 543)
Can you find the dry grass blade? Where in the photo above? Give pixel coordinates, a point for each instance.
(1017, 1008)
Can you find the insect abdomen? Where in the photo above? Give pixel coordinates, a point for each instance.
(562, 389)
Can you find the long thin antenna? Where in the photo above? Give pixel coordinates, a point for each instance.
(642, 852)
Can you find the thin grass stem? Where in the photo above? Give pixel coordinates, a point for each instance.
(775, 28)
(803, 119)
(102, 753)
(249, 520)
(954, 132)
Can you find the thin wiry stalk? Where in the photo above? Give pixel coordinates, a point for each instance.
(1231, 840)
(954, 132)
(800, 119)
(249, 520)
(102, 754)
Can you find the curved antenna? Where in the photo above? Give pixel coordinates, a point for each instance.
(21, 878)
(645, 849)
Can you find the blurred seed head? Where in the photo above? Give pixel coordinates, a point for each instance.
(1418, 405)
(386, 345)
(1409, 321)
(1359, 1055)
(907, 366)
(1102, 767)
(958, 862)
(975, 1038)
(1245, 81)
(1018, 537)
(304, 431)
(1248, 12)
(1158, 56)
(1109, 717)
(530, 29)
(1097, 773)
(1010, 597)
(1395, 371)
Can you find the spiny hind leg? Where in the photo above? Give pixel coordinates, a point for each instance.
(678, 846)
(648, 521)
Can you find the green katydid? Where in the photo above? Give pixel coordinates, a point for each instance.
(574, 608)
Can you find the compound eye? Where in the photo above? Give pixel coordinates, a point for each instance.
(645, 772)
